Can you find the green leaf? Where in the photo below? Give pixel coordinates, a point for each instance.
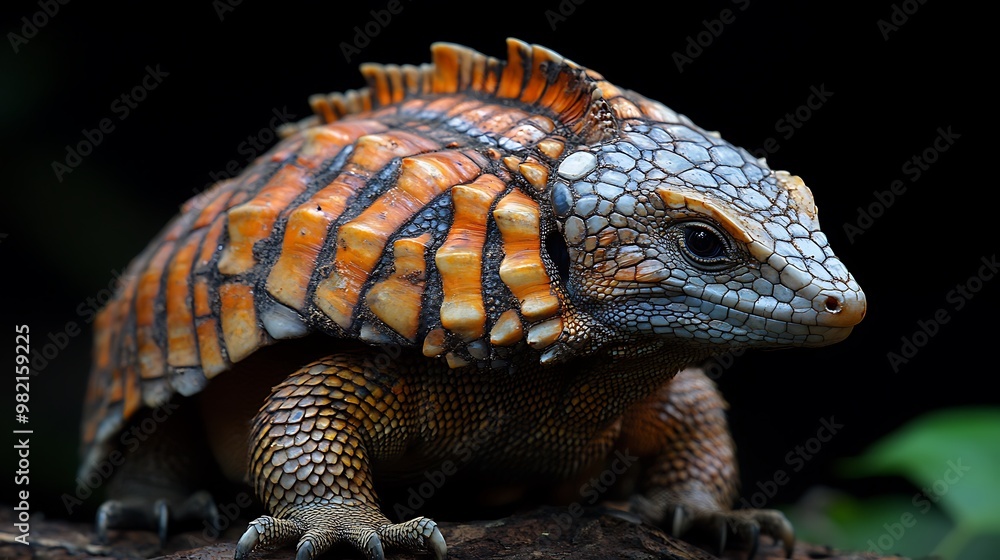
(953, 456)
(881, 524)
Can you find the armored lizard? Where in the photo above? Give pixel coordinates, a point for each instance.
(516, 253)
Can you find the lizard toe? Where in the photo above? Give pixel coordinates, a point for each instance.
(373, 548)
(744, 528)
(722, 530)
(162, 515)
(318, 527)
(161, 512)
(268, 532)
(305, 550)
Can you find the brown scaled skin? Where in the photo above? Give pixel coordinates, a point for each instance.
(331, 426)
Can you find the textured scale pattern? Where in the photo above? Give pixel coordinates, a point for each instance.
(376, 227)
(548, 248)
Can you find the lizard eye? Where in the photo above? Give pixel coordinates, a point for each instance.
(704, 246)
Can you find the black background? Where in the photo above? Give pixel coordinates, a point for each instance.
(889, 97)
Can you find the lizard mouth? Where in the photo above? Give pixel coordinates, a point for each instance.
(832, 335)
(794, 335)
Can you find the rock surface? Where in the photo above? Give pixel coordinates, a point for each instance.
(540, 533)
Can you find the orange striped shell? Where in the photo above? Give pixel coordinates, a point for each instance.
(412, 211)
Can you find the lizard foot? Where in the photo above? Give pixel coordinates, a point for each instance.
(159, 515)
(740, 526)
(721, 528)
(318, 527)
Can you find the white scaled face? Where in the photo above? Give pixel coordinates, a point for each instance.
(674, 232)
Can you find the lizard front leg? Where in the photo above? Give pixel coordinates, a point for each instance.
(310, 451)
(692, 479)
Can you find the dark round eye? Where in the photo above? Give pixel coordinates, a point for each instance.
(704, 243)
(704, 246)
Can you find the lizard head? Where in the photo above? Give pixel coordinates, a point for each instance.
(671, 231)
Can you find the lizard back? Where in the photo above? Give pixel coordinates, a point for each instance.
(413, 211)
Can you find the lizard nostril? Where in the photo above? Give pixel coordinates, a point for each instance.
(840, 309)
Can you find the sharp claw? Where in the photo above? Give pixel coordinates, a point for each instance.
(788, 538)
(373, 550)
(162, 513)
(206, 504)
(723, 535)
(247, 543)
(437, 546)
(754, 541)
(306, 550)
(677, 523)
(102, 522)
(779, 528)
(213, 515)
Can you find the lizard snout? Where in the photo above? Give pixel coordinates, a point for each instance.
(840, 308)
